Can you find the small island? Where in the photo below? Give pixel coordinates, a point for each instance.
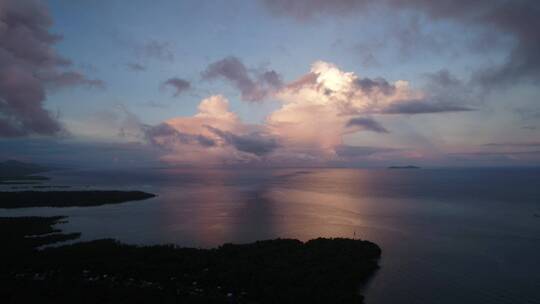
(106, 271)
(404, 167)
(13, 172)
(25, 199)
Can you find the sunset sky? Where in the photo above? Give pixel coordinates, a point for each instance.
(270, 83)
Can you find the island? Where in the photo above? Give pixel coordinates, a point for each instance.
(106, 271)
(25, 199)
(14, 172)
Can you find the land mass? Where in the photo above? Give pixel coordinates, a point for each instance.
(106, 271)
(14, 172)
(16, 168)
(24, 199)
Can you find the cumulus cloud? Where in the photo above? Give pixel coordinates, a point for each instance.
(317, 110)
(178, 84)
(325, 104)
(213, 136)
(28, 66)
(252, 87)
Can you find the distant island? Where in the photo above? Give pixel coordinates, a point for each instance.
(14, 168)
(106, 271)
(404, 167)
(14, 172)
(25, 199)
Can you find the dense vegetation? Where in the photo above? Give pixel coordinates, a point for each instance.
(105, 271)
(23, 199)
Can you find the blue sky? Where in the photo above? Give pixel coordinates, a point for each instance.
(439, 50)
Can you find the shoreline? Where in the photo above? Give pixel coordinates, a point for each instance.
(269, 271)
(87, 198)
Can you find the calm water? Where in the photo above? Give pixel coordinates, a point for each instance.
(448, 236)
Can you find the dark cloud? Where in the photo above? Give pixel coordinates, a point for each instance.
(443, 79)
(367, 123)
(360, 151)
(272, 78)
(310, 79)
(154, 104)
(28, 66)
(179, 85)
(254, 143)
(134, 66)
(160, 50)
(70, 78)
(251, 88)
(369, 85)
(445, 89)
(165, 136)
(516, 18)
(423, 107)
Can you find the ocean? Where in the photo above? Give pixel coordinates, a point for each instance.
(447, 235)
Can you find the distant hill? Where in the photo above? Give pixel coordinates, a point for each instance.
(403, 167)
(11, 168)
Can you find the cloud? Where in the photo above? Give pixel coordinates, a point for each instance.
(29, 65)
(252, 88)
(114, 123)
(154, 104)
(305, 10)
(317, 110)
(134, 66)
(514, 144)
(164, 135)
(179, 85)
(421, 107)
(526, 151)
(160, 50)
(255, 143)
(322, 106)
(70, 78)
(213, 137)
(379, 84)
(518, 19)
(368, 124)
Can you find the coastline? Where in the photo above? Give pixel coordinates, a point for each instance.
(25, 199)
(270, 271)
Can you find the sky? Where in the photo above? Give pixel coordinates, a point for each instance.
(344, 83)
